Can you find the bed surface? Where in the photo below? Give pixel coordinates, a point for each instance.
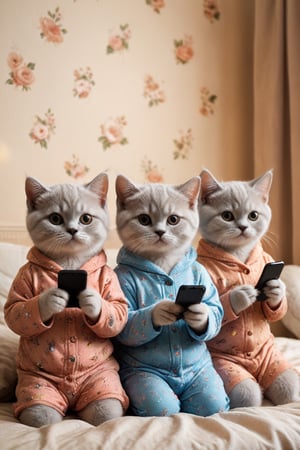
(266, 427)
(263, 428)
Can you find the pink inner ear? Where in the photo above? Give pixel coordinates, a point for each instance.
(102, 200)
(124, 188)
(209, 190)
(208, 187)
(99, 185)
(190, 189)
(103, 192)
(33, 189)
(263, 185)
(194, 193)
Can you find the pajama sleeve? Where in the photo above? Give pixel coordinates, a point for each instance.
(21, 310)
(114, 311)
(139, 329)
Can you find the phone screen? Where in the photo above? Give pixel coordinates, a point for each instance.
(190, 294)
(72, 281)
(271, 271)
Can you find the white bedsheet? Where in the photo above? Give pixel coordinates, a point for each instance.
(266, 427)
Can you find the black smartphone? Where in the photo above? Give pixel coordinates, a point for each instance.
(72, 281)
(271, 271)
(190, 294)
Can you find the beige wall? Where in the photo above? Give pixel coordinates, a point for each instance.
(214, 64)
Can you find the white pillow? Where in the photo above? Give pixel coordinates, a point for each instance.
(12, 257)
(8, 371)
(111, 254)
(291, 277)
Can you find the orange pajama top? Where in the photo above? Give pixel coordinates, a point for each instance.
(67, 343)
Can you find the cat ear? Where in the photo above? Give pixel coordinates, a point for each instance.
(124, 189)
(99, 185)
(209, 185)
(33, 189)
(191, 190)
(262, 184)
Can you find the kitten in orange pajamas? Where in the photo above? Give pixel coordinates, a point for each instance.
(65, 358)
(234, 217)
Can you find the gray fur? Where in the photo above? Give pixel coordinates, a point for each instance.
(71, 243)
(240, 235)
(159, 202)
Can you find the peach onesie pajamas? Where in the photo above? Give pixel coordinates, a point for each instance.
(244, 348)
(67, 362)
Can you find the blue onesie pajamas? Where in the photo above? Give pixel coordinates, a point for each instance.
(168, 369)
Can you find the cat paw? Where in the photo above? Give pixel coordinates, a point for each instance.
(241, 297)
(39, 415)
(100, 411)
(285, 388)
(51, 302)
(196, 316)
(274, 290)
(166, 312)
(245, 394)
(90, 302)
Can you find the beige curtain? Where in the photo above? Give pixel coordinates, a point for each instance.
(277, 118)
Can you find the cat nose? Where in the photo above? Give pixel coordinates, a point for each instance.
(242, 227)
(160, 233)
(72, 231)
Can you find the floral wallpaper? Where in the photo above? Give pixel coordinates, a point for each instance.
(123, 86)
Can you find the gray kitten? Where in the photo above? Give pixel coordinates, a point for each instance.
(235, 215)
(68, 223)
(157, 221)
(234, 218)
(157, 224)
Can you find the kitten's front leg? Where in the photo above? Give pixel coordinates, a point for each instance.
(165, 313)
(274, 290)
(241, 297)
(196, 316)
(90, 302)
(51, 302)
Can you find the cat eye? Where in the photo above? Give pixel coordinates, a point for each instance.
(86, 219)
(144, 220)
(253, 216)
(56, 219)
(173, 219)
(227, 216)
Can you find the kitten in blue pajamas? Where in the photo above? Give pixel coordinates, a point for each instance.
(165, 366)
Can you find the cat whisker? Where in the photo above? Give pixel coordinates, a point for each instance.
(270, 238)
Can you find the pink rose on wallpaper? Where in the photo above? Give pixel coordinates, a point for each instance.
(119, 41)
(207, 102)
(183, 144)
(14, 60)
(74, 168)
(152, 91)
(184, 49)
(211, 10)
(51, 28)
(21, 74)
(39, 132)
(151, 171)
(115, 44)
(42, 129)
(156, 5)
(83, 82)
(112, 132)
